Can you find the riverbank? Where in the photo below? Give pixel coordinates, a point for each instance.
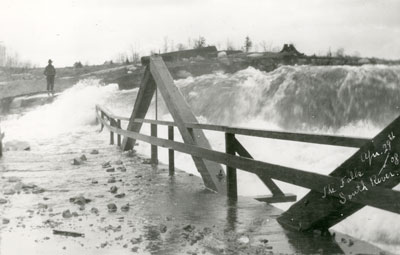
(43, 190)
(15, 82)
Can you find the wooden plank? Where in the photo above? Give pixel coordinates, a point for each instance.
(272, 134)
(109, 114)
(297, 177)
(231, 178)
(67, 233)
(277, 199)
(281, 135)
(142, 103)
(344, 141)
(376, 164)
(181, 114)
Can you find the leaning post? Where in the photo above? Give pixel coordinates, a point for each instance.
(230, 171)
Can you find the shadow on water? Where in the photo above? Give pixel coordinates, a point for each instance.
(306, 243)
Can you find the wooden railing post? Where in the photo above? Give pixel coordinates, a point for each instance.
(154, 148)
(112, 133)
(231, 180)
(119, 136)
(171, 153)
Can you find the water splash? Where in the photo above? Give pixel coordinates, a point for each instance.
(69, 112)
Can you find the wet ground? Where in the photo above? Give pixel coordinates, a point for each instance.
(123, 205)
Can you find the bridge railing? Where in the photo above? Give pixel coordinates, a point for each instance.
(366, 178)
(309, 180)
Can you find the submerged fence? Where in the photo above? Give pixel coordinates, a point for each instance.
(366, 178)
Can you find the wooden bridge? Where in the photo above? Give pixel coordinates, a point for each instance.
(366, 178)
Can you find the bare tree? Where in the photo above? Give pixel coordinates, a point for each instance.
(218, 45)
(275, 49)
(356, 54)
(266, 46)
(13, 61)
(229, 45)
(248, 44)
(256, 47)
(165, 45)
(180, 46)
(134, 55)
(189, 43)
(200, 43)
(172, 46)
(329, 52)
(339, 52)
(120, 58)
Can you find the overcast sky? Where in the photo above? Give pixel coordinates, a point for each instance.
(97, 30)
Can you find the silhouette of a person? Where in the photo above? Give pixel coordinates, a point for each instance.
(50, 73)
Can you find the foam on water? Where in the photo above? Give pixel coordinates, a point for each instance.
(69, 112)
(341, 100)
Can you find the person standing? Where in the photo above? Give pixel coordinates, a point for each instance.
(50, 73)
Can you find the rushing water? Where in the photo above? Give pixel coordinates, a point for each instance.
(340, 100)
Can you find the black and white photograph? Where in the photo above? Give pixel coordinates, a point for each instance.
(199, 127)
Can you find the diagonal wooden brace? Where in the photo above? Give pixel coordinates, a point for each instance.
(142, 103)
(277, 194)
(157, 76)
(211, 172)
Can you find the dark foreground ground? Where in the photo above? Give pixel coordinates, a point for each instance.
(155, 213)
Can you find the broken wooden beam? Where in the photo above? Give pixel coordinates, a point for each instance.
(375, 165)
(67, 233)
(285, 197)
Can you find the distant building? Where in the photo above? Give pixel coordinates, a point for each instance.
(2, 54)
(204, 52)
(291, 50)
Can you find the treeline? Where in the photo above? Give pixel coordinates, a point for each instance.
(15, 61)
